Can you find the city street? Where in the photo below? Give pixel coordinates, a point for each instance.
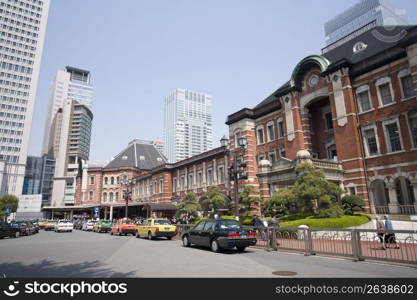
(87, 254)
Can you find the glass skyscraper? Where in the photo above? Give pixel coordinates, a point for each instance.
(22, 33)
(366, 13)
(187, 125)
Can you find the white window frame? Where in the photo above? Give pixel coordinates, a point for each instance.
(237, 134)
(328, 145)
(261, 156)
(365, 142)
(260, 127)
(105, 199)
(351, 186)
(401, 74)
(269, 156)
(280, 150)
(362, 89)
(270, 123)
(161, 185)
(220, 171)
(174, 184)
(208, 177)
(380, 82)
(386, 136)
(199, 179)
(280, 120)
(190, 183)
(413, 113)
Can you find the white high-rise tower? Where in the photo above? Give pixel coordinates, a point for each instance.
(69, 84)
(188, 124)
(22, 34)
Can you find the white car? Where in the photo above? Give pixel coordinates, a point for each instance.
(88, 226)
(64, 225)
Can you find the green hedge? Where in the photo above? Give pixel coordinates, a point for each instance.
(342, 222)
(293, 217)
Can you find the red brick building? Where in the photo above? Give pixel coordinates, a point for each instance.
(351, 111)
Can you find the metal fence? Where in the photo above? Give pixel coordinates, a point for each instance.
(358, 244)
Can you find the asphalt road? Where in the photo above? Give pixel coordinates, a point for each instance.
(88, 254)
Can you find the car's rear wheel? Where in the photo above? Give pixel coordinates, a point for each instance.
(150, 236)
(240, 249)
(111, 232)
(214, 245)
(186, 241)
(137, 234)
(169, 237)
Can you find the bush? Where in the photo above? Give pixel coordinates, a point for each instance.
(294, 217)
(342, 222)
(352, 203)
(333, 211)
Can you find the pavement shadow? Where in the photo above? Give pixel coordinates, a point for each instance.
(49, 268)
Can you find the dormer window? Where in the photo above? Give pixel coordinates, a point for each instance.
(359, 47)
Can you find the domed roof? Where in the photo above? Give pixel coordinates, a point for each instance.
(303, 154)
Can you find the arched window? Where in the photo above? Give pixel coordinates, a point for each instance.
(106, 180)
(104, 197)
(116, 196)
(380, 196)
(111, 197)
(112, 180)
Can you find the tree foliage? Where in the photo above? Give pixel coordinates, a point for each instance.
(213, 200)
(352, 203)
(248, 199)
(188, 206)
(10, 201)
(312, 193)
(280, 203)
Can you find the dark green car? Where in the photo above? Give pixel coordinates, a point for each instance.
(102, 226)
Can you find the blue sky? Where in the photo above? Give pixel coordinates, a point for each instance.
(238, 51)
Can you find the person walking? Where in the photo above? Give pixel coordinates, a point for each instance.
(390, 235)
(259, 226)
(380, 229)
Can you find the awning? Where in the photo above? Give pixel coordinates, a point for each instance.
(160, 207)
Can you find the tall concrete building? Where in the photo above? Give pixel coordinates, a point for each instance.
(22, 34)
(361, 17)
(69, 84)
(39, 177)
(69, 145)
(188, 124)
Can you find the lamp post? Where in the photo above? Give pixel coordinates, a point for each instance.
(237, 169)
(127, 191)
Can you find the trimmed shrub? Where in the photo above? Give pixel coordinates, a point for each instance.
(342, 222)
(352, 203)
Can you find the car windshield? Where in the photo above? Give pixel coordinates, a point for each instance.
(229, 225)
(162, 222)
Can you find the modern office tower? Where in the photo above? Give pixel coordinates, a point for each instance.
(69, 84)
(363, 15)
(22, 33)
(70, 147)
(187, 125)
(38, 177)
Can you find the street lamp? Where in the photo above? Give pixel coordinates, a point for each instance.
(127, 191)
(224, 141)
(237, 170)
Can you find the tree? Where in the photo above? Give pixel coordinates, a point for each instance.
(248, 199)
(213, 200)
(280, 203)
(352, 203)
(8, 201)
(314, 191)
(188, 206)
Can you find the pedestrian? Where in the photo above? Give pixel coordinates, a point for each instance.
(390, 235)
(380, 229)
(259, 226)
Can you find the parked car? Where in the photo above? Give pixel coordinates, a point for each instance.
(50, 225)
(35, 225)
(78, 224)
(42, 223)
(64, 226)
(219, 234)
(24, 227)
(88, 226)
(8, 230)
(156, 227)
(123, 227)
(102, 226)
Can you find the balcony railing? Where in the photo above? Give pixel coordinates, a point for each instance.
(396, 210)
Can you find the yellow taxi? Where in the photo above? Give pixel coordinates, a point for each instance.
(156, 227)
